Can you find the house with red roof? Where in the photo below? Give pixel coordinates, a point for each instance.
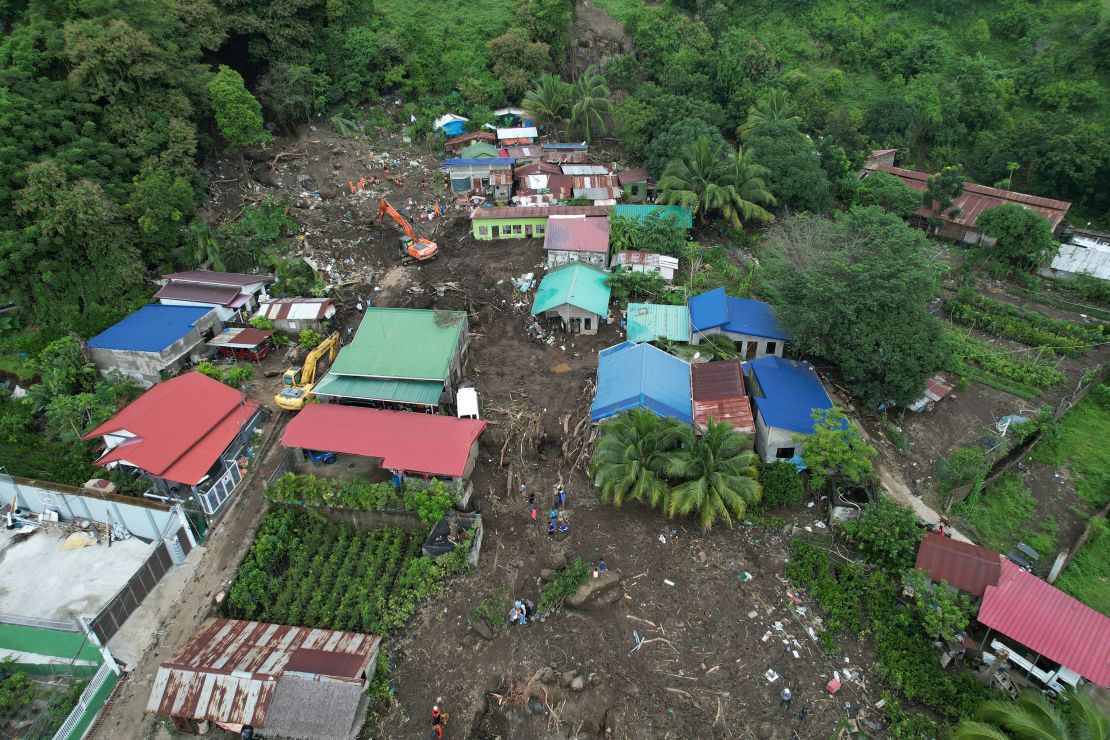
(577, 239)
(188, 435)
(427, 445)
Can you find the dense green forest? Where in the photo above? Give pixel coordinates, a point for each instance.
(110, 110)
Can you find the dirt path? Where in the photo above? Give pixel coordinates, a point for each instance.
(219, 557)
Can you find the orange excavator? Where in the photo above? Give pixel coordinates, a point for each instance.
(413, 249)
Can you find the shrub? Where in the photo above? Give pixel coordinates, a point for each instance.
(563, 585)
(309, 339)
(886, 534)
(962, 466)
(781, 484)
(261, 322)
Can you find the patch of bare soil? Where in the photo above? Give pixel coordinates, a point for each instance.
(596, 37)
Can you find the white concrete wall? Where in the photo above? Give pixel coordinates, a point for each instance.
(743, 343)
(769, 440)
(556, 257)
(566, 312)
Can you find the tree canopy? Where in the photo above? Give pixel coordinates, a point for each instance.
(852, 290)
(1023, 237)
(888, 192)
(794, 172)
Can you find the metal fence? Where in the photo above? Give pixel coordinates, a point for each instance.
(105, 624)
(86, 702)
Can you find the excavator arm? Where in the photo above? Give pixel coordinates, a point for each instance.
(415, 249)
(330, 347)
(385, 209)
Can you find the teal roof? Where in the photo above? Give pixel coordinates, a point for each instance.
(425, 392)
(685, 217)
(480, 150)
(648, 322)
(582, 286)
(403, 343)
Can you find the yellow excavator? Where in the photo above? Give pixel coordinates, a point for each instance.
(297, 383)
(413, 248)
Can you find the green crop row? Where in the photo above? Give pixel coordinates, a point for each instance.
(979, 353)
(1029, 327)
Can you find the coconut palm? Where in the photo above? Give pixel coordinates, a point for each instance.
(206, 248)
(629, 455)
(748, 191)
(697, 179)
(718, 468)
(590, 105)
(775, 107)
(549, 102)
(1035, 716)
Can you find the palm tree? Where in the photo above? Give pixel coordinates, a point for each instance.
(697, 179)
(1035, 716)
(629, 455)
(775, 107)
(719, 472)
(591, 103)
(549, 102)
(748, 191)
(206, 248)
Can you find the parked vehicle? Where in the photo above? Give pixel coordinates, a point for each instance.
(320, 457)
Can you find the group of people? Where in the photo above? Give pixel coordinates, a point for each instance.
(522, 611)
(557, 520)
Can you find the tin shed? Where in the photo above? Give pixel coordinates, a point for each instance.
(577, 293)
(641, 376)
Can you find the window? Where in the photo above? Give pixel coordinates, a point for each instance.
(483, 231)
(784, 453)
(586, 324)
(518, 229)
(771, 346)
(540, 228)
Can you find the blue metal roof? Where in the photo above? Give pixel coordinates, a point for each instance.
(582, 145)
(640, 375)
(791, 390)
(462, 162)
(716, 310)
(150, 329)
(648, 322)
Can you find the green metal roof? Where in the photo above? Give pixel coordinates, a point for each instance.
(581, 285)
(426, 392)
(648, 322)
(480, 150)
(685, 218)
(401, 343)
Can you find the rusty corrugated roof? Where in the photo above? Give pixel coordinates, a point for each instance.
(978, 198)
(229, 669)
(966, 566)
(718, 393)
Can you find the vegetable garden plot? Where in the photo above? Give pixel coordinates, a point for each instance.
(307, 572)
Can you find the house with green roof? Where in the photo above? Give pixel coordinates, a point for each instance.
(648, 322)
(577, 293)
(399, 356)
(641, 212)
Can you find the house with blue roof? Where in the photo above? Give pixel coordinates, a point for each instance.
(641, 376)
(750, 324)
(154, 340)
(784, 394)
(487, 175)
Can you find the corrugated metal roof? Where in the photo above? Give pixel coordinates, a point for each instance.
(520, 132)
(404, 440)
(304, 309)
(241, 338)
(1093, 260)
(228, 670)
(403, 343)
(420, 392)
(613, 193)
(578, 284)
(501, 177)
(628, 177)
(963, 565)
(640, 375)
(535, 168)
(640, 212)
(538, 212)
(447, 118)
(978, 198)
(181, 426)
(455, 141)
(581, 146)
(487, 162)
(577, 235)
(791, 390)
(1048, 621)
(717, 310)
(718, 393)
(480, 150)
(648, 322)
(152, 328)
(217, 295)
(525, 152)
(210, 277)
(579, 170)
(648, 259)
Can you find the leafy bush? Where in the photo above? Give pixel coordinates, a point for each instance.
(782, 486)
(239, 374)
(494, 611)
(261, 322)
(886, 534)
(16, 691)
(309, 339)
(962, 466)
(563, 585)
(380, 688)
(430, 502)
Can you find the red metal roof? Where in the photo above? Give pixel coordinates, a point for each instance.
(535, 168)
(312, 309)
(966, 566)
(539, 211)
(420, 443)
(978, 198)
(217, 295)
(228, 671)
(577, 235)
(638, 174)
(241, 338)
(718, 393)
(937, 387)
(209, 277)
(180, 427)
(1046, 620)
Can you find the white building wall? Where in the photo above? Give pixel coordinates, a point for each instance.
(556, 257)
